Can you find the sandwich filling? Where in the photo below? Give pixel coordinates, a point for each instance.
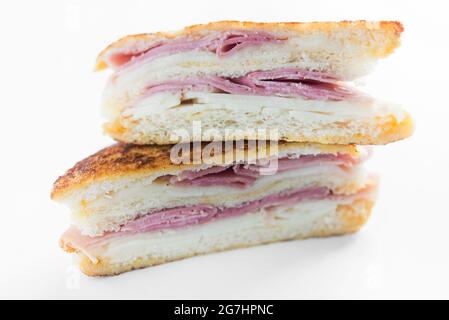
(182, 218)
(281, 89)
(222, 44)
(244, 175)
(179, 69)
(288, 82)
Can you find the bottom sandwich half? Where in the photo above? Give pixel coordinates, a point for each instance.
(131, 217)
(312, 219)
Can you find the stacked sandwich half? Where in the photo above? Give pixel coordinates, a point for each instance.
(231, 134)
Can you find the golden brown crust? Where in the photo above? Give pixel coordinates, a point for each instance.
(390, 131)
(348, 219)
(123, 159)
(387, 130)
(391, 30)
(111, 161)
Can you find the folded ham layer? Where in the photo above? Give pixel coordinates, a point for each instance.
(284, 82)
(185, 216)
(244, 175)
(222, 44)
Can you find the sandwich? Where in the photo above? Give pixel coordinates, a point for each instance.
(135, 206)
(294, 78)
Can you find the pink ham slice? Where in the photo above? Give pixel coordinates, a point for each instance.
(228, 178)
(191, 175)
(222, 44)
(244, 175)
(285, 82)
(186, 216)
(232, 41)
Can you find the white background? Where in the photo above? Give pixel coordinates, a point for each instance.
(50, 119)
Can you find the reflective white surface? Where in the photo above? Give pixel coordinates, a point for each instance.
(50, 119)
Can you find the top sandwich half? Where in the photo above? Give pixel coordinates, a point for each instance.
(289, 77)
